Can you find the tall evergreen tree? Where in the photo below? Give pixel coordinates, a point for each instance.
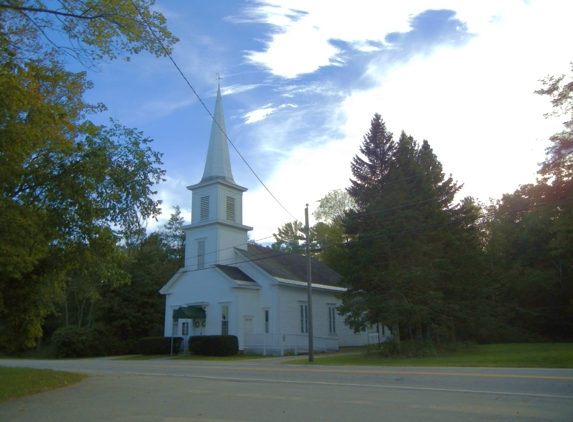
(377, 149)
(400, 264)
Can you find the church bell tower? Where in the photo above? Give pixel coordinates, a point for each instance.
(217, 205)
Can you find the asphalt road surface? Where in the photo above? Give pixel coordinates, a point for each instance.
(267, 390)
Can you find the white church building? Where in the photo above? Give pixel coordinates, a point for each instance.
(229, 286)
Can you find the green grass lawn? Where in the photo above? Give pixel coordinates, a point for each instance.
(524, 355)
(18, 382)
(141, 357)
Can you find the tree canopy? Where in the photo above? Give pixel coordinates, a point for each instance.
(69, 190)
(403, 259)
(88, 31)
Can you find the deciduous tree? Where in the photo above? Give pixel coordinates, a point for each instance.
(69, 189)
(89, 31)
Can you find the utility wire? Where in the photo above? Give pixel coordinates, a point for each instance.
(273, 196)
(205, 107)
(370, 238)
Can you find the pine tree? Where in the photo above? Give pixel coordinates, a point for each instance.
(394, 261)
(377, 149)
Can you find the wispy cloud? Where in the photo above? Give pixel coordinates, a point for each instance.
(237, 89)
(262, 113)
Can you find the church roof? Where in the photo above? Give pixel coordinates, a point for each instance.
(218, 164)
(289, 266)
(236, 274)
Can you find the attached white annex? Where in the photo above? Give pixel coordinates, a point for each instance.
(229, 286)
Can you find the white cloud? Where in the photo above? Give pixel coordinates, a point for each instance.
(474, 105)
(237, 89)
(301, 48)
(303, 29)
(260, 114)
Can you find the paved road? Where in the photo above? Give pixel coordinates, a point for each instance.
(266, 390)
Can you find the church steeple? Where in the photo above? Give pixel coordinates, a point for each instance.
(216, 227)
(218, 164)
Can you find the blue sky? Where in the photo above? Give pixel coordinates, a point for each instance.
(302, 79)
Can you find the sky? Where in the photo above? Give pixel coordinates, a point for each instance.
(302, 79)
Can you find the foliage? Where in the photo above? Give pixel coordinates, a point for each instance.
(559, 162)
(133, 310)
(70, 190)
(89, 31)
(530, 234)
(73, 342)
(288, 238)
(333, 206)
(214, 345)
(19, 382)
(532, 262)
(413, 261)
(158, 345)
(541, 355)
(407, 349)
(173, 237)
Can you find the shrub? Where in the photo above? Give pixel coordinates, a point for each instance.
(100, 340)
(72, 342)
(158, 345)
(408, 349)
(214, 345)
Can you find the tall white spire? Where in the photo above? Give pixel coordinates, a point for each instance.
(216, 227)
(218, 164)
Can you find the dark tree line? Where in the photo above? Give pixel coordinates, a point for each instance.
(433, 269)
(413, 260)
(109, 319)
(439, 269)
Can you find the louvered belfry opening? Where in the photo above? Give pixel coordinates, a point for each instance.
(230, 208)
(204, 208)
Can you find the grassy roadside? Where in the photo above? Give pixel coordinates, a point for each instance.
(191, 357)
(18, 382)
(523, 355)
(221, 358)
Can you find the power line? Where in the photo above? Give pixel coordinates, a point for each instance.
(206, 109)
(457, 221)
(370, 238)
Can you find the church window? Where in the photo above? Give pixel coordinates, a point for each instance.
(331, 319)
(230, 208)
(204, 214)
(224, 320)
(304, 318)
(200, 254)
(267, 325)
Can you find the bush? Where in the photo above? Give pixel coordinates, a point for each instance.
(72, 342)
(214, 345)
(158, 345)
(408, 349)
